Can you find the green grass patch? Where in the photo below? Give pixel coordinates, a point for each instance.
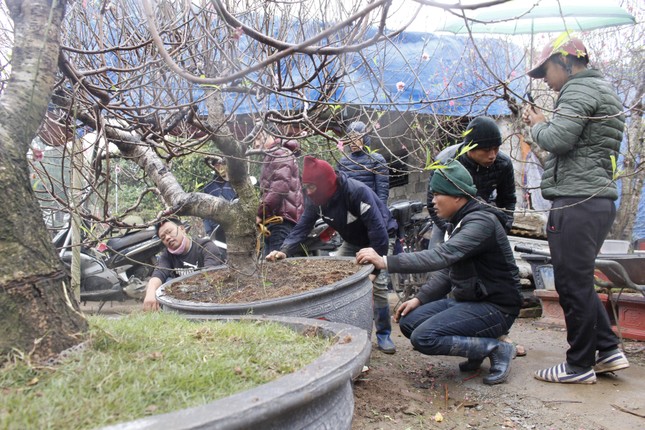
(149, 363)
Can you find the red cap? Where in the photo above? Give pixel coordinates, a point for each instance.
(322, 175)
(563, 46)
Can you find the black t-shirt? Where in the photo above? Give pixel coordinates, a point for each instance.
(202, 253)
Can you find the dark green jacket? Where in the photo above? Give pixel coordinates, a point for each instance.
(585, 131)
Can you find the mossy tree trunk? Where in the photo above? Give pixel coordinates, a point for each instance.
(38, 316)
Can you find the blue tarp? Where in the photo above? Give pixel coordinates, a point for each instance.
(639, 224)
(433, 74)
(442, 75)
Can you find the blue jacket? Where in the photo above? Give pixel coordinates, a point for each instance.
(218, 187)
(370, 169)
(354, 211)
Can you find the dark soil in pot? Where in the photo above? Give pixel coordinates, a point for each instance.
(271, 280)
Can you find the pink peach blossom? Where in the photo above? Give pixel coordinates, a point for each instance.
(38, 155)
(237, 33)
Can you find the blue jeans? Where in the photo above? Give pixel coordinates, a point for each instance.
(279, 233)
(431, 326)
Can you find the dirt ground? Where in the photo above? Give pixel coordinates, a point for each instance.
(408, 390)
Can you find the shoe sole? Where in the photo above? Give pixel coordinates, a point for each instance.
(585, 381)
(613, 368)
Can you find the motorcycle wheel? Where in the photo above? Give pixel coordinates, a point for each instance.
(407, 285)
(143, 271)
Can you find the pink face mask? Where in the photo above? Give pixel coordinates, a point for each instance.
(181, 248)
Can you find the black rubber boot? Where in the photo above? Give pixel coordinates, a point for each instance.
(383, 330)
(478, 348)
(470, 365)
(500, 363)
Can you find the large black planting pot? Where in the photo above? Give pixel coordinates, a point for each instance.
(348, 301)
(319, 396)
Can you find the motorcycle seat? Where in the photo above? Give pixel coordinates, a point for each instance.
(119, 243)
(403, 211)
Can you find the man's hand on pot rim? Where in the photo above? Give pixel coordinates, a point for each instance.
(275, 256)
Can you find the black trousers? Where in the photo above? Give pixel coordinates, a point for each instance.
(576, 230)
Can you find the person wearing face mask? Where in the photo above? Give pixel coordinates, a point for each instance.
(182, 256)
(360, 218)
(583, 136)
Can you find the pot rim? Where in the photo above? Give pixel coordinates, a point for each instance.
(164, 299)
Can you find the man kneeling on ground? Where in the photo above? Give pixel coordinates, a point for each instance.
(476, 265)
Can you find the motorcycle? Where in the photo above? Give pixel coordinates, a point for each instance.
(415, 228)
(115, 270)
(322, 240)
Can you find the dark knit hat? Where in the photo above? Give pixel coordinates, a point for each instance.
(322, 175)
(453, 180)
(359, 127)
(484, 132)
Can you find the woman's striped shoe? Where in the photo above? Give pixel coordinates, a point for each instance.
(559, 374)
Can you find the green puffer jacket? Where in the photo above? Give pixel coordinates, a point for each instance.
(580, 147)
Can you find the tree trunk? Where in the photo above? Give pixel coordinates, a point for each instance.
(38, 317)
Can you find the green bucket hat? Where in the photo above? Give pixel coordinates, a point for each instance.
(453, 180)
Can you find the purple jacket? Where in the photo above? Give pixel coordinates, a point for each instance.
(280, 183)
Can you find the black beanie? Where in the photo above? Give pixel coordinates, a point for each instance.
(453, 180)
(484, 132)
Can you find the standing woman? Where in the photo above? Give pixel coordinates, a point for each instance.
(583, 134)
(282, 201)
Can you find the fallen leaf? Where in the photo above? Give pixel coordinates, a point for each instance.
(155, 356)
(438, 417)
(345, 339)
